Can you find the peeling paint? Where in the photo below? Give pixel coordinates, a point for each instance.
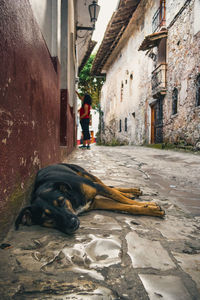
(22, 161)
(36, 161)
(33, 124)
(9, 132)
(10, 123)
(4, 141)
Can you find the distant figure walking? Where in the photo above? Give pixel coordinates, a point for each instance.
(84, 112)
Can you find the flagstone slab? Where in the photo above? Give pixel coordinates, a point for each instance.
(99, 221)
(164, 287)
(190, 264)
(146, 253)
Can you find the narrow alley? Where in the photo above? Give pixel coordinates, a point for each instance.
(113, 255)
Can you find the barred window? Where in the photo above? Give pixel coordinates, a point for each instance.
(174, 101)
(125, 127)
(198, 90)
(120, 125)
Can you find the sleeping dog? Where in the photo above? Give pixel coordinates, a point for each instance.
(62, 191)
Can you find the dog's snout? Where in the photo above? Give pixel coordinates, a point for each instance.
(74, 222)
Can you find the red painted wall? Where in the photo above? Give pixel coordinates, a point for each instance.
(29, 105)
(67, 123)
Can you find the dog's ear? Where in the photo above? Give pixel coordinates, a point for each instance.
(24, 217)
(63, 187)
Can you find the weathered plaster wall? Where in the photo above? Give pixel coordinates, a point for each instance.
(29, 105)
(129, 62)
(183, 67)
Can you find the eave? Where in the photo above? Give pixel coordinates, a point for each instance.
(152, 40)
(115, 29)
(91, 46)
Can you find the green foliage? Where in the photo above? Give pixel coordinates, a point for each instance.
(90, 84)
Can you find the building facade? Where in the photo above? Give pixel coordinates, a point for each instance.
(39, 60)
(151, 93)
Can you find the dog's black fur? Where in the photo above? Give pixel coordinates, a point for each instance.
(62, 191)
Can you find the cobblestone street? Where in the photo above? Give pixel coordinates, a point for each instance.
(115, 255)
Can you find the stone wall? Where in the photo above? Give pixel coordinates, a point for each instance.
(183, 67)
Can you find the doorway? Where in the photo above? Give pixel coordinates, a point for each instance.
(157, 121)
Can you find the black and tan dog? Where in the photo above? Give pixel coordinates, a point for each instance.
(63, 191)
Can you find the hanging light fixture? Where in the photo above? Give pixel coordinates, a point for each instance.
(94, 9)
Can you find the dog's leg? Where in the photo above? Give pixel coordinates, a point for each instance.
(145, 209)
(111, 193)
(134, 191)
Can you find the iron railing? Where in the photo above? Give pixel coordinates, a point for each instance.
(158, 79)
(159, 18)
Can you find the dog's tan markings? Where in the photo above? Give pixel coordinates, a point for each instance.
(69, 206)
(93, 178)
(90, 177)
(89, 191)
(134, 191)
(55, 203)
(109, 204)
(114, 194)
(63, 188)
(49, 224)
(86, 207)
(128, 195)
(60, 201)
(26, 219)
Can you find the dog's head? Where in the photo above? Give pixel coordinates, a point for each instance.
(50, 208)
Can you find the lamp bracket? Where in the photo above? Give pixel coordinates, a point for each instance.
(84, 28)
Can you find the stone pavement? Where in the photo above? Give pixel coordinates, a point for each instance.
(113, 255)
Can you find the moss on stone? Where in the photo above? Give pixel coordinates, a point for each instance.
(114, 142)
(13, 203)
(177, 147)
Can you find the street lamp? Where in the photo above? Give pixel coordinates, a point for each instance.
(94, 12)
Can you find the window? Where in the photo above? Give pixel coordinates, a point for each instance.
(120, 125)
(198, 91)
(125, 127)
(174, 101)
(159, 17)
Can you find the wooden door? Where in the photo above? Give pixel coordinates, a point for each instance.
(152, 124)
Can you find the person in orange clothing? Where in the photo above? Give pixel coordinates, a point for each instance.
(85, 119)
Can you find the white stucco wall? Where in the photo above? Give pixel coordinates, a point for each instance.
(135, 92)
(47, 14)
(71, 57)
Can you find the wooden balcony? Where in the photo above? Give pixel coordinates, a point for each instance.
(158, 80)
(159, 30)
